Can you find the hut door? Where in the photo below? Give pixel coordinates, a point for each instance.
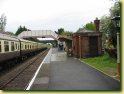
(93, 42)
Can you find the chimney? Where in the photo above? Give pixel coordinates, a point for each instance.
(97, 22)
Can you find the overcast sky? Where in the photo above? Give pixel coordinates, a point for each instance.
(52, 14)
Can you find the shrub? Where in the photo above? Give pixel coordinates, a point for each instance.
(112, 52)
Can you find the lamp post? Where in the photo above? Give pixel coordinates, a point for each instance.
(116, 21)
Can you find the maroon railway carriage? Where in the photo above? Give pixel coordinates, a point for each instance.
(9, 48)
(13, 48)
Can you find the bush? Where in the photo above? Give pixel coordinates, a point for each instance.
(112, 52)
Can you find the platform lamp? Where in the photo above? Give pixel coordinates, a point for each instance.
(116, 22)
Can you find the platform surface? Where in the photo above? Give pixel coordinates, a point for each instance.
(67, 73)
(60, 72)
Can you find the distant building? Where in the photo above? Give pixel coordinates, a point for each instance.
(87, 43)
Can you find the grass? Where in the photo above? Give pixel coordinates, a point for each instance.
(104, 63)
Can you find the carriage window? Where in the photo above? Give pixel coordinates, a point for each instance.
(0, 46)
(16, 46)
(25, 46)
(6, 45)
(12, 46)
(28, 46)
(33, 46)
(21, 46)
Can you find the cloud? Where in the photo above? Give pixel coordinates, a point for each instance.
(52, 14)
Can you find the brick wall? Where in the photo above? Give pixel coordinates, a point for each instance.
(81, 45)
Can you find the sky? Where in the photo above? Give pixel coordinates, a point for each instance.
(52, 14)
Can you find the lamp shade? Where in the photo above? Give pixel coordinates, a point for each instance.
(116, 22)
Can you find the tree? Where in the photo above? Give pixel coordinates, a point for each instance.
(60, 31)
(67, 33)
(90, 26)
(106, 25)
(115, 9)
(2, 23)
(10, 33)
(21, 29)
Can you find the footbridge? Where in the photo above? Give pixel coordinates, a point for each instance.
(38, 34)
(47, 34)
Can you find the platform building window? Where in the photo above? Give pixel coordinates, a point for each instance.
(12, 46)
(6, 46)
(0, 47)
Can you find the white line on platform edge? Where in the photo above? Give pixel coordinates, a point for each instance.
(32, 80)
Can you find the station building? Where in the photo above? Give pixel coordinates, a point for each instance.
(86, 43)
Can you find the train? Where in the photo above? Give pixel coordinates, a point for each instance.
(14, 48)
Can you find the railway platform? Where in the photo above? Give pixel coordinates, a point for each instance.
(59, 72)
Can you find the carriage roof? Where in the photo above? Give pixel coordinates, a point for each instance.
(8, 37)
(13, 38)
(23, 40)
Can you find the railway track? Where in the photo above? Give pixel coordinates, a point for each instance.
(19, 77)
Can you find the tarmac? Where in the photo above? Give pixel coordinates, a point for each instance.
(67, 73)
